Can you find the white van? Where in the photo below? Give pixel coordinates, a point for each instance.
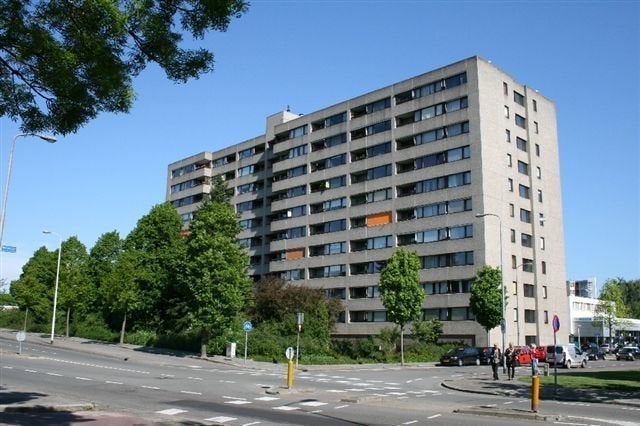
(566, 356)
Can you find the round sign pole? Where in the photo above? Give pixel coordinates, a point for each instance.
(556, 327)
(20, 337)
(247, 327)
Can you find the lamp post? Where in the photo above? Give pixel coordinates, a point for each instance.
(55, 292)
(579, 343)
(503, 322)
(47, 138)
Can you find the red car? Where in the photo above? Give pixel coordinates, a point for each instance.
(540, 353)
(523, 355)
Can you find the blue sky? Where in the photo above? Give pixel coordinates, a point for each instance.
(312, 54)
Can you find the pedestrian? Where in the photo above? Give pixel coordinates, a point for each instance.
(496, 356)
(534, 360)
(510, 358)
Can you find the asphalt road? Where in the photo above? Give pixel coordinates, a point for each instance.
(185, 390)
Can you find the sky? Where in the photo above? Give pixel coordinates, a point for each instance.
(308, 55)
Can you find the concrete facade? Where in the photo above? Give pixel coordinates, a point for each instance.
(326, 198)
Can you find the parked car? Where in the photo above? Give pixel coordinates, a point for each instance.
(628, 353)
(540, 352)
(523, 355)
(605, 348)
(566, 356)
(461, 356)
(485, 354)
(595, 353)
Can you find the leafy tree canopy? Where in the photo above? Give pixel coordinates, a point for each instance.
(486, 293)
(63, 62)
(400, 289)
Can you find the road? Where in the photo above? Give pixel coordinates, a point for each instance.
(160, 388)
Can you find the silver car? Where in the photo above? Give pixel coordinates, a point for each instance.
(566, 356)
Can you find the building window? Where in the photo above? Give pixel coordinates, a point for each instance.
(527, 264)
(535, 127)
(513, 235)
(336, 293)
(327, 271)
(509, 161)
(510, 184)
(542, 243)
(538, 172)
(329, 142)
(330, 121)
(371, 197)
(518, 98)
(540, 195)
(523, 168)
(506, 111)
(537, 150)
(520, 121)
(521, 144)
(367, 316)
(524, 191)
(508, 135)
(328, 249)
(525, 216)
(505, 88)
(544, 292)
(433, 87)
(370, 108)
(525, 240)
(512, 210)
(447, 260)
(535, 105)
(528, 290)
(515, 314)
(371, 130)
(369, 292)
(544, 267)
(546, 316)
(372, 151)
(529, 316)
(372, 174)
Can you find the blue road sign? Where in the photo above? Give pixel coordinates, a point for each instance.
(556, 323)
(247, 327)
(9, 249)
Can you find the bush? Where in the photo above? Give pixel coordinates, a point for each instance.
(141, 337)
(94, 327)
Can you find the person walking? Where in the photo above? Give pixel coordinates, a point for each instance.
(496, 356)
(510, 358)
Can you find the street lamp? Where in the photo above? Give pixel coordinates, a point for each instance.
(579, 343)
(55, 292)
(47, 138)
(503, 323)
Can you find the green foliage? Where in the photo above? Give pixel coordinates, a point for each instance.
(7, 299)
(215, 271)
(34, 288)
(485, 299)
(631, 296)
(427, 331)
(94, 327)
(75, 291)
(159, 250)
(12, 318)
(400, 289)
(65, 62)
(141, 338)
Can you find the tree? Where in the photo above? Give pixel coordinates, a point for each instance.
(75, 291)
(631, 296)
(215, 271)
(120, 287)
(64, 62)
(611, 307)
(160, 246)
(485, 300)
(427, 331)
(401, 292)
(33, 291)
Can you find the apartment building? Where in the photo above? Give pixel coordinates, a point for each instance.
(459, 164)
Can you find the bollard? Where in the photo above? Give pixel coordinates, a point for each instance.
(546, 368)
(290, 374)
(535, 393)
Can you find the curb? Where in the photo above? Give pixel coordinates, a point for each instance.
(60, 408)
(513, 414)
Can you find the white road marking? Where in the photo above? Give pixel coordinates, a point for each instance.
(84, 378)
(150, 387)
(336, 391)
(194, 378)
(313, 403)
(191, 392)
(410, 422)
(266, 398)
(171, 411)
(54, 374)
(434, 416)
(251, 424)
(238, 402)
(340, 406)
(316, 411)
(221, 419)
(285, 408)
(31, 371)
(113, 383)
(7, 367)
(232, 397)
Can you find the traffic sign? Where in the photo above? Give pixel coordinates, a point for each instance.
(289, 353)
(556, 323)
(21, 336)
(247, 326)
(9, 249)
